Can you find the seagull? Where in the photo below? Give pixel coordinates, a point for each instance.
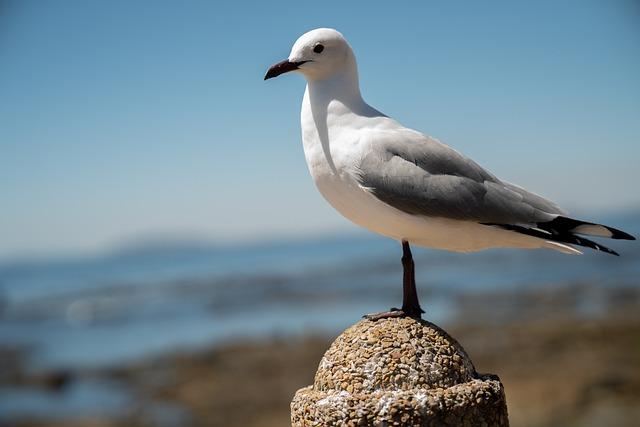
(405, 185)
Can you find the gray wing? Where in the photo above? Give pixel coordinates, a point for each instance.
(422, 176)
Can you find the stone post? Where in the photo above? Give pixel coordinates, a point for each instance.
(398, 372)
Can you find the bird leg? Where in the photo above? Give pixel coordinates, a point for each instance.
(410, 303)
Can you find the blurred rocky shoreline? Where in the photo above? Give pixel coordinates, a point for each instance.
(567, 356)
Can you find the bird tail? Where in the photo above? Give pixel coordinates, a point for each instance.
(561, 232)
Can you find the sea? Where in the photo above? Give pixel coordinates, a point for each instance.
(143, 300)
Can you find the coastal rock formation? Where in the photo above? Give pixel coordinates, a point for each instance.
(398, 372)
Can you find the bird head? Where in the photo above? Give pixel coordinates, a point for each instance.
(318, 55)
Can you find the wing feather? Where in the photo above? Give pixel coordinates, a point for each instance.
(421, 176)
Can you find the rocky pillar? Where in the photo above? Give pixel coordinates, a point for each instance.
(398, 372)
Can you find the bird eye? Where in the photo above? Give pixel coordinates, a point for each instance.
(318, 48)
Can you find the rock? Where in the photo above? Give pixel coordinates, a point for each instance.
(398, 372)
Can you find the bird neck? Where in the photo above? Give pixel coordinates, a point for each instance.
(326, 102)
(342, 86)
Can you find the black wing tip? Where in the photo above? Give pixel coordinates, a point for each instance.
(620, 235)
(565, 237)
(564, 224)
(605, 249)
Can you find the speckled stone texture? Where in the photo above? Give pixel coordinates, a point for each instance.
(398, 372)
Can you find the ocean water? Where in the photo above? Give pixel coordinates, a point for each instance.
(103, 310)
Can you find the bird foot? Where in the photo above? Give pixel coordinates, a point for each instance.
(392, 313)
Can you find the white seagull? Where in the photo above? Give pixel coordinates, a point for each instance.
(405, 185)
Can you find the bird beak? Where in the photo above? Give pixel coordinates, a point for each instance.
(281, 68)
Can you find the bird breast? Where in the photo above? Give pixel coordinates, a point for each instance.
(332, 153)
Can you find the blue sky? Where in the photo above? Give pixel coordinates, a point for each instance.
(127, 119)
